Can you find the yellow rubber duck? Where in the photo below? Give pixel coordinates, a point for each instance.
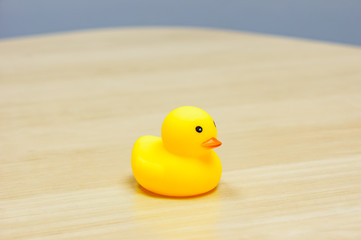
(182, 162)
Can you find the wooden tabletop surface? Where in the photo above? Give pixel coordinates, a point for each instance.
(72, 105)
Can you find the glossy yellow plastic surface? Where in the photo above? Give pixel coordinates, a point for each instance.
(182, 162)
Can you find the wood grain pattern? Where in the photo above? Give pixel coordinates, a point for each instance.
(71, 106)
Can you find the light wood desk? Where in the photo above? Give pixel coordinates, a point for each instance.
(288, 113)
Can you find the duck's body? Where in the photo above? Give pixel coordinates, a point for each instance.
(182, 162)
(165, 173)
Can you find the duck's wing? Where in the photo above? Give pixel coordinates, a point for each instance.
(147, 169)
(144, 164)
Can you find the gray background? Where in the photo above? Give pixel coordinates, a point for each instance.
(326, 20)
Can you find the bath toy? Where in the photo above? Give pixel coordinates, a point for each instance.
(181, 163)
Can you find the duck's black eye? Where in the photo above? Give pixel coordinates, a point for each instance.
(199, 129)
(214, 123)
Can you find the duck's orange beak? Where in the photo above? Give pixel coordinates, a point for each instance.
(211, 143)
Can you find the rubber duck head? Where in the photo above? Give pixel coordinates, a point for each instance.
(189, 131)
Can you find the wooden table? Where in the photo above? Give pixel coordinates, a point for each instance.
(71, 106)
